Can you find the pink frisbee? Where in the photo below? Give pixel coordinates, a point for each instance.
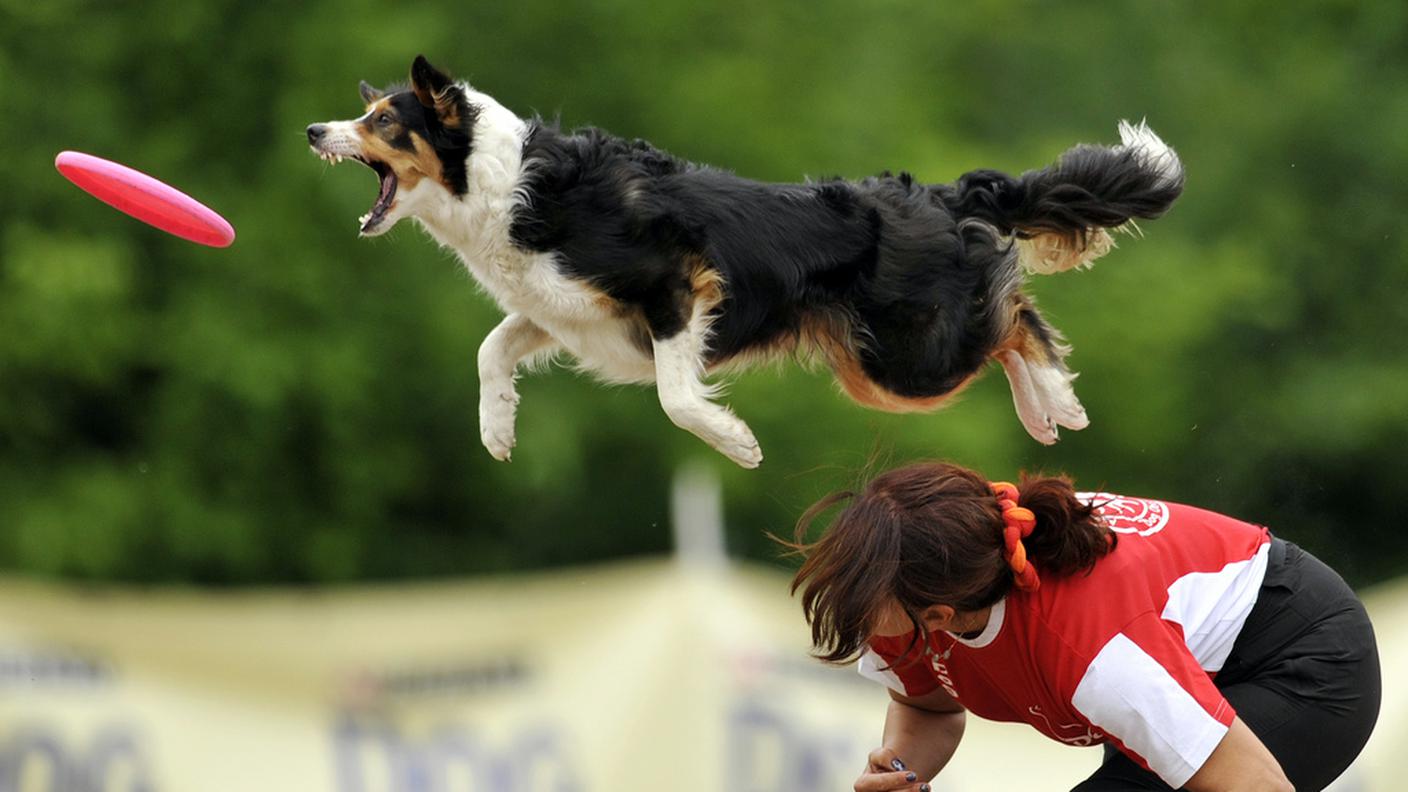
(153, 202)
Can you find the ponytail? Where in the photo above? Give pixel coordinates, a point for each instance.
(1069, 537)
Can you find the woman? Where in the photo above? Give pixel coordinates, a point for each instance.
(1202, 652)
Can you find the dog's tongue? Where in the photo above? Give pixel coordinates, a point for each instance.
(384, 198)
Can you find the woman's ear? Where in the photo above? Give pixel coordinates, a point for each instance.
(939, 617)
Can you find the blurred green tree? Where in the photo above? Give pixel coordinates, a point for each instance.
(301, 406)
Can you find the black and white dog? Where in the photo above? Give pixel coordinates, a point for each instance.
(647, 268)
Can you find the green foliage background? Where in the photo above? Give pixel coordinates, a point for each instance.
(301, 406)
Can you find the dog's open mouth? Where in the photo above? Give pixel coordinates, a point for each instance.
(385, 196)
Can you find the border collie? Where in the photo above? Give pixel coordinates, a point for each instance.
(647, 268)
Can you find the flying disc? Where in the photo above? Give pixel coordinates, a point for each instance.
(139, 195)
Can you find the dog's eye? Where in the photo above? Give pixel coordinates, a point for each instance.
(384, 119)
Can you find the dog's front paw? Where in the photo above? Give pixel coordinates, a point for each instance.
(748, 455)
(717, 426)
(738, 443)
(499, 441)
(498, 407)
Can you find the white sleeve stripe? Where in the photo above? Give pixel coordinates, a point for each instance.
(1130, 696)
(1213, 606)
(872, 666)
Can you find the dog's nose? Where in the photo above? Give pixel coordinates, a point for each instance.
(316, 132)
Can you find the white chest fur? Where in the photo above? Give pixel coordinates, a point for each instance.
(476, 227)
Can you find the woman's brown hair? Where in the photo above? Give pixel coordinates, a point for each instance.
(930, 533)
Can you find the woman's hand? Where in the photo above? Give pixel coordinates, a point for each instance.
(925, 730)
(884, 772)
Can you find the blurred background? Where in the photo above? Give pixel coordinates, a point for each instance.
(244, 511)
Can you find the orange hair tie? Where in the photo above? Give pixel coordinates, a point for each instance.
(1017, 524)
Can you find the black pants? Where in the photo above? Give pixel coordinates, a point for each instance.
(1303, 675)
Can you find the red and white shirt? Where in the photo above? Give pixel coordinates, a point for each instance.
(1124, 654)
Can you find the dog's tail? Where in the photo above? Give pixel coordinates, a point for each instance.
(1060, 215)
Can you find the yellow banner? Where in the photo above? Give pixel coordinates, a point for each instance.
(641, 676)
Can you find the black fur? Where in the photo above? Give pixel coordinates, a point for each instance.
(918, 278)
(416, 113)
(1089, 187)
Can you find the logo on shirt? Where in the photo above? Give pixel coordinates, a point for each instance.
(1129, 515)
(1069, 733)
(936, 661)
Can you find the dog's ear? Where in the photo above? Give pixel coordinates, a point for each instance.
(428, 82)
(438, 92)
(369, 94)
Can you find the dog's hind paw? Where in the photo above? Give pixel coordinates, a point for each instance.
(1041, 419)
(1057, 398)
(733, 439)
(1041, 427)
(1043, 397)
(1070, 414)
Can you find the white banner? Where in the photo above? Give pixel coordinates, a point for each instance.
(641, 676)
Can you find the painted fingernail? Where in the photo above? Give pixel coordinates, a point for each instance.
(911, 777)
(923, 788)
(897, 764)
